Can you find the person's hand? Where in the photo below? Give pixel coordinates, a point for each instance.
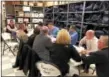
(83, 52)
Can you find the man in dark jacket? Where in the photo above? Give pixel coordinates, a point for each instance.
(32, 37)
(42, 43)
(100, 58)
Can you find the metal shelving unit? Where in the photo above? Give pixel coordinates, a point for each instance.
(82, 13)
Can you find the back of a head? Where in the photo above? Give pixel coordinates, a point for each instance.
(63, 37)
(40, 24)
(37, 30)
(44, 29)
(50, 25)
(73, 27)
(105, 39)
(21, 26)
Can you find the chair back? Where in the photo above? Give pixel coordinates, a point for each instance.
(6, 36)
(48, 69)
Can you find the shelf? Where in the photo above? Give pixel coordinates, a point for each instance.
(93, 11)
(60, 12)
(22, 22)
(95, 23)
(62, 21)
(30, 17)
(28, 23)
(27, 5)
(22, 17)
(76, 12)
(38, 17)
(35, 23)
(75, 21)
(48, 13)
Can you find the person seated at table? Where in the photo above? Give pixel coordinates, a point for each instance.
(21, 34)
(73, 34)
(62, 51)
(42, 43)
(90, 41)
(11, 28)
(32, 37)
(40, 24)
(53, 30)
(99, 58)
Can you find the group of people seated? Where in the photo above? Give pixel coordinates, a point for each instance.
(61, 50)
(19, 31)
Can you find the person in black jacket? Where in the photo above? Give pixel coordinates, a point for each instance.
(62, 51)
(100, 58)
(32, 37)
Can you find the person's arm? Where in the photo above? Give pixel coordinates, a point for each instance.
(75, 54)
(74, 38)
(48, 43)
(55, 32)
(93, 58)
(82, 41)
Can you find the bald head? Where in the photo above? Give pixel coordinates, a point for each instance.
(90, 34)
(103, 41)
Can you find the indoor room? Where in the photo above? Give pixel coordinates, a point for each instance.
(55, 38)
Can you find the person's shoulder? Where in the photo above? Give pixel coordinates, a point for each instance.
(98, 53)
(56, 28)
(95, 38)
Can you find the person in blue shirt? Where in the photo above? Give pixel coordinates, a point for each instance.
(53, 30)
(73, 34)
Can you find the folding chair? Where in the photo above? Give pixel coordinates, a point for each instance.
(6, 37)
(48, 69)
(92, 66)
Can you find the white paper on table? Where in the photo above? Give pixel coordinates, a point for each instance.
(79, 49)
(52, 38)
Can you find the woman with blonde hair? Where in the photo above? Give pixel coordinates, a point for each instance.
(62, 51)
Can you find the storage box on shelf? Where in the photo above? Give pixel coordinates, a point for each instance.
(28, 11)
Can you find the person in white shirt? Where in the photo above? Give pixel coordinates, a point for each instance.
(90, 41)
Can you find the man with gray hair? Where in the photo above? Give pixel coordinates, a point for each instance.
(42, 43)
(100, 58)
